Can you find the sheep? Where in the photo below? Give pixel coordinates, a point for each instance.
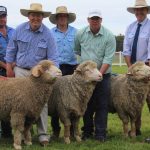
(128, 94)
(71, 94)
(22, 99)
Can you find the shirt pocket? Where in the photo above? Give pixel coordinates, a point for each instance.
(41, 49)
(22, 44)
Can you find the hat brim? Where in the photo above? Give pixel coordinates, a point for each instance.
(25, 12)
(71, 18)
(132, 9)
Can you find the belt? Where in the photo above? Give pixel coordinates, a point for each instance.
(26, 68)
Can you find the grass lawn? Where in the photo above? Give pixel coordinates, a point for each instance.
(115, 139)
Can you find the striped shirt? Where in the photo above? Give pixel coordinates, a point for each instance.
(100, 47)
(4, 42)
(143, 45)
(27, 48)
(65, 45)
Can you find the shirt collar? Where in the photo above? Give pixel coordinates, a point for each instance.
(58, 30)
(143, 22)
(101, 31)
(27, 27)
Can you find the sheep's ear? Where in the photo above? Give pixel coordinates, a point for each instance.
(37, 71)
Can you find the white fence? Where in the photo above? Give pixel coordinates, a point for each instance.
(118, 59)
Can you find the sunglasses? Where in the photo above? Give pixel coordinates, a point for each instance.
(95, 18)
(3, 16)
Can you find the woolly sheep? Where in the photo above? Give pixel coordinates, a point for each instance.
(71, 94)
(22, 99)
(128, 93)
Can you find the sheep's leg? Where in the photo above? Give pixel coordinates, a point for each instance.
(76, 129)
(17, 123)
(67, 134)
(133, 129)
(125, 128)
(27, 135)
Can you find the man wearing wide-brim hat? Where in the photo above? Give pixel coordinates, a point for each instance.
(32, 42)
(136, 42)
(64, 34)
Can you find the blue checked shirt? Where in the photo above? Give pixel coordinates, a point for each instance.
(143, 44)
(27, 48)
(4, 42)
(65, 45)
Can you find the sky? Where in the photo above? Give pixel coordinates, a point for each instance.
(114, 12)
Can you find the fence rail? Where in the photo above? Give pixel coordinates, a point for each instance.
(118, 59)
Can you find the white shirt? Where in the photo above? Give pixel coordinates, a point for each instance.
(143, 44)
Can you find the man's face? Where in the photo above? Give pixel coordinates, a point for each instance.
(3, 20)
(95, 23)
(35, 19)
(141, 13)
(62, 19)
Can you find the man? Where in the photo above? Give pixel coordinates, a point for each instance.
(64, 35)
(31, 43)
(5, 35)
(136, 43)
(97, 43)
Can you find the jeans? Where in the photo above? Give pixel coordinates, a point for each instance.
(98, 109)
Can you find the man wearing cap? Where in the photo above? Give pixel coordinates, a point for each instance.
(32, 42)
(64, 35)
(136, 45)
(5, 35)
(98, 44)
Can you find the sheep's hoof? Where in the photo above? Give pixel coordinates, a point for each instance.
(28, 143)
(17, 147)
(67, 140)
(78, 138)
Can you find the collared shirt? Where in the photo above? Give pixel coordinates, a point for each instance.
(27, 48)
(4, 42)
(100, 47)
(143, 45)
(65, 45)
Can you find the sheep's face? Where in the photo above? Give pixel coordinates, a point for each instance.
(88, 70)
(140, 71)
(46, 69)
(92, 74)
(53, 71)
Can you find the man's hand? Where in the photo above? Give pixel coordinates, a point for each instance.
(9, 70)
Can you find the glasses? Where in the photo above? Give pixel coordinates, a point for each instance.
(3, 16)
(95, 18)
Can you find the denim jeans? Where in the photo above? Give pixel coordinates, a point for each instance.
(97, 110)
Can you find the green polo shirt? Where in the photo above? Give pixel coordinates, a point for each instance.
(100, 47)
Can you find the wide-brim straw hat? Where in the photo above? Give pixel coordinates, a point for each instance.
(62, 10)
(138, 4)
(35, 7)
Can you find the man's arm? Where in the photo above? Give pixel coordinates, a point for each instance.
(109, 53)
(127, 49)
(77, 46)
(52, 52)
(10, 57)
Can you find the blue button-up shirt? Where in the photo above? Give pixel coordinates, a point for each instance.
(65, 45)
(27, 48)
(4, 42)
(143, 45)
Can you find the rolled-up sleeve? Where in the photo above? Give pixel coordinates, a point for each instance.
(12, 49)
(110, 50)
(52, 52)
(126, 45)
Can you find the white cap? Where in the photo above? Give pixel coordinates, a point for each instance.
(95, 13)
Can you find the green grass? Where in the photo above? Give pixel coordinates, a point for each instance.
(115, 139)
